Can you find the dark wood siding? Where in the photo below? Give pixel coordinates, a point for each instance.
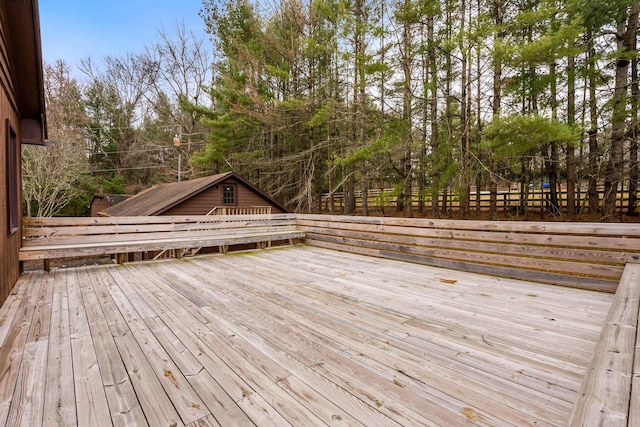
(98, 204)
(202, 203)
(9, 242)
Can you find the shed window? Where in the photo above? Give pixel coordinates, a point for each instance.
(229, 195)
(13, 199)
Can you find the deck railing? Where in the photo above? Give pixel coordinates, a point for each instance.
(581, 255)
(51, 238)
(237, 210)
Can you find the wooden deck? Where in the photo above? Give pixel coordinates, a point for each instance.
(296, 336)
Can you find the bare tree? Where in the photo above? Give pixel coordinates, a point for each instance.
(117, 97)
(52, 175)
(184, 72)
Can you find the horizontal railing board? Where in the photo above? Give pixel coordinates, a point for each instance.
(588, 228)
(580, 241)
(514, 273)
(555, 252)
(105, 248)
(583, 269)
(132, 237)
(120, 220)
(31, 233)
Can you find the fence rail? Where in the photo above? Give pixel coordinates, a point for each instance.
(381, 201)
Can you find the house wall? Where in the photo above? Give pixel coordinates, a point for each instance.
(202, 203)
(9, 242)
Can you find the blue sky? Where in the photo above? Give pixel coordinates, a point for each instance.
(75, 29)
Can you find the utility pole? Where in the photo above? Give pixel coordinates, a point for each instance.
(176, 143)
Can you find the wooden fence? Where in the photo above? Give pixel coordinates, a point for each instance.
(381, 202)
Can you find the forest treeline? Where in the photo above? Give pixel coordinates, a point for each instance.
(315, 97)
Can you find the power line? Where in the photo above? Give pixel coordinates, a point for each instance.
(167, 148)
(127, 169)
(169, 129)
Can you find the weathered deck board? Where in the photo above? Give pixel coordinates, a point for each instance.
(60, 401)
(12, 352)
(606, 396)
(86, 371)
(155, 403)
(123, 404)
(430, 376)
(28, 401)
(296, 336)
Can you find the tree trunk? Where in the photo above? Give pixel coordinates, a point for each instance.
(570, 150)
(364, 187)
(524, 189)
(627, 26)
(433, 112)
(422, 173)
(592, 192)
(479, 78)
(554, 158)
(633, 148)
(350, 193)
(464, 118)
(407, 114)
(497, 107)
(552, 175)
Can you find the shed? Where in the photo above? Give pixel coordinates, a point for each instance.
(22, 121)
(225, 193)
(103, 201)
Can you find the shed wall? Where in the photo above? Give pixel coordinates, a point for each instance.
(98, 204)
(202, 203)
